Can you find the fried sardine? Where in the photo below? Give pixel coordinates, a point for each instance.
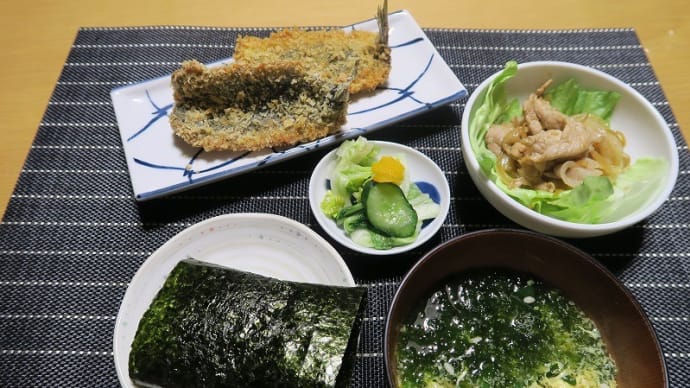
(289, 88)
(362, 58)
(249, 107)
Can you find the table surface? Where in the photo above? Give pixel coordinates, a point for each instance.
(37, 37)
(72, 236)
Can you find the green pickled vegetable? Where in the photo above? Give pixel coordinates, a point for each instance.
(370, 226)
(210, 327)
(388, 210)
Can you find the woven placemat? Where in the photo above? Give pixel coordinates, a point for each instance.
(73, 236)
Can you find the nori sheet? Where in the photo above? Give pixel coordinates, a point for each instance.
(211, 326)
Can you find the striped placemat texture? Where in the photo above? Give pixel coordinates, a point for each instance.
(73, 236)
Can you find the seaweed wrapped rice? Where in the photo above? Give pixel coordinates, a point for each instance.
(211, 326)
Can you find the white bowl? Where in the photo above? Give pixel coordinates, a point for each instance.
(420, 169)
(266, 244)
(645, 130)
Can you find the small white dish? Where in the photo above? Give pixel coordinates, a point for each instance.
(647, 135)
(422, 171)
(265, 244)
(160, 164)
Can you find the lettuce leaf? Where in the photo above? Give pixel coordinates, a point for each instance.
(494, 106)
(352, 168)
(597, 200)
(571, 99)
(634, 187)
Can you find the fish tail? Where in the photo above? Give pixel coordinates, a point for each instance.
(382, 20)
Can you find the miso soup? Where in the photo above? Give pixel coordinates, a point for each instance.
(501, 329)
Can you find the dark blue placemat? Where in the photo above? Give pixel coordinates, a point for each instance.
(73, 236)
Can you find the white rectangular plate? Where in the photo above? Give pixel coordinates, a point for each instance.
(160, 164)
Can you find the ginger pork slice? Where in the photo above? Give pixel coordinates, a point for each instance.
(249, 107)
(363, 57)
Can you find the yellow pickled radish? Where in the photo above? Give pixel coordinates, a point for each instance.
(388, 169)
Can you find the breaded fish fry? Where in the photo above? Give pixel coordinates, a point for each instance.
(339, 56)
(249, 107)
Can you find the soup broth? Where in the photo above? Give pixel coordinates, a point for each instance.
(501, 329)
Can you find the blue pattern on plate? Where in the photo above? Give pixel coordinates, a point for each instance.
(158, 114)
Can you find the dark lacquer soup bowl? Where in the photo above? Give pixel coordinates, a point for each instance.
(618, 322)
